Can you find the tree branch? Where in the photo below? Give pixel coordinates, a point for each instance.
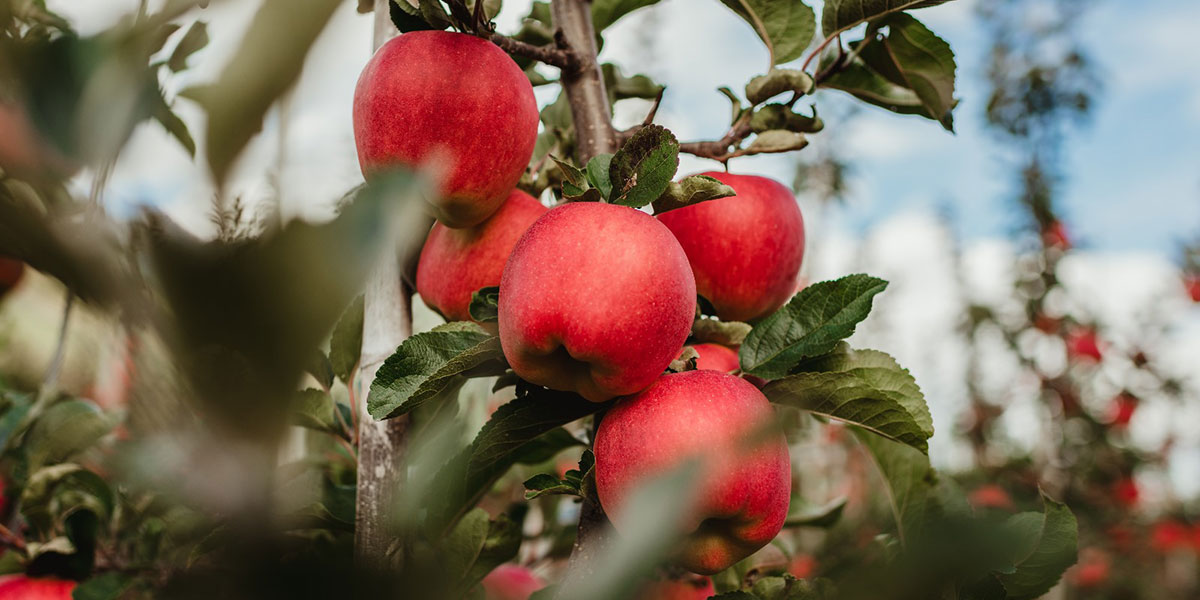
(550, 54)
(584, 83)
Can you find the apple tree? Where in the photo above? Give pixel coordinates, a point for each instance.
(649, 323)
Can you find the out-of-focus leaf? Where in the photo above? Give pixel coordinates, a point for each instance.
(786, 587)
(691, 190)
(314, 410)
(56, 491)
(502, 443)
(174, 125)
(820, 516)
(345, 344)
(735, 102)
(912, 56)
(407, 17)
(776, 140)
(462, 544)
(840, 15)
(320, 368)
(785, 27)
(1052, 539)
(250, 313)
(108, 586)
(780, 116)
(192, 41)
(500, 546)
(911, 482)
(809, 325)
(620, 87)
(606, 12)
(64, 430)
(642, 169)
(777, 81)
(265, 65)
(427, 363)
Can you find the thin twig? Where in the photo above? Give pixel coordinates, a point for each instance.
(551, 54)
(817, 51)
(654, 109)
(11, 538)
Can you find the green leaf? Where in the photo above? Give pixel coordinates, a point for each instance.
(500, 546)
(427, 363)
(911, 483)
(485, 304)
(606, 12)
(1051, 549)
(321, 369)
(597, 174)
(504, 441)
(925, 63)
(267, 62)
(777, 81)
(192, 41)
(735, 102)
(463, 544)
(809, 325)
(786, 587)
(407, 17)
(840, 15)
(55, 492)
(642, 169)
(545, 484)
(691, 190)
(313, 409)
(434, 14)
(575, 187)
(885, 375)
(64, 430)
(173, 124)
(821, 516)
(776, 140)
(786, 27)
(781, 116)
(620, 87)
(345, 344)
(725, 333)
(109, 586)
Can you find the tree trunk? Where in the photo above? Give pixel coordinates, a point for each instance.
(387, 321)
(594, 134)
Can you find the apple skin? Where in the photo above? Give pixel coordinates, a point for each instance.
(746, 249)
(457, 262)
(595, 299)
(742, 494)
(715, 357)
(21, 587)
(453, 100)
(511, 582)
(11, 271)
(693, 588)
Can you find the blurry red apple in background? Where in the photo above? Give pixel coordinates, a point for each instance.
(21, 587)
(1083, 345)
(1093, 568)
(1125, 492)
(453, 99)
(1055, 236)
(990, 496)
(11, 271)
(686, 588)
(716, 357)
(1192, 284)
(802, 566)
(511, 582)
(596, 299)
(745, 250)
(455, 263)
(1170, 535)
(742, 495)
(1122, 409)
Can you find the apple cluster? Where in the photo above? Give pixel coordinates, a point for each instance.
(597, 298)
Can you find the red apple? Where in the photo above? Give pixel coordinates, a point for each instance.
(741, 498)
(1125, 492)
(1092, 569)
(21, 587)
(802, 566)
(689, 588)
(1055, 236)
(511, 582)
(1168, 536)
(746, 249)
(1192, 284)
(1083, 345)
(11, 270)
(456, 262)
(596, 299)
(990, 496)
(457, 101)
(716, 357)
(1121, 412)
